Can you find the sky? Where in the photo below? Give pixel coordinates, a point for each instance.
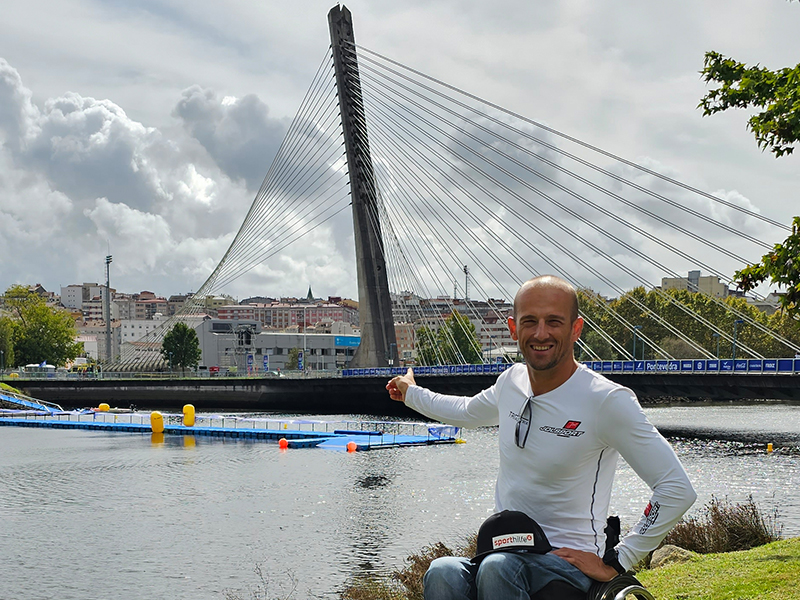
(144, 129)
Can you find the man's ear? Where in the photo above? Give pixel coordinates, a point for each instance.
(577, 328)
(512, 327)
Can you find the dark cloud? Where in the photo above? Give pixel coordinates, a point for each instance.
(237, 132)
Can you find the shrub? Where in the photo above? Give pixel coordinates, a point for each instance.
(405, 583)
(726, 527)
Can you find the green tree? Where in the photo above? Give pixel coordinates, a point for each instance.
(427, 346)
(293, 358)
(181, 347)
(777, 128)
(781, 267)
(455, 342)
(40, 332)
(777, 93)
(7, 341)
(630, 305)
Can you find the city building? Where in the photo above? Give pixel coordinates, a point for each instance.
(244, 346)
(769, 304)
(694, 282)
(284, 315)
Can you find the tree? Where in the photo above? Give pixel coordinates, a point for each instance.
(293, 359)
(181, 347)
(454, 343)
(777, 126)
(427, 346)
(781, 267)
(6, 342)
(40, 332)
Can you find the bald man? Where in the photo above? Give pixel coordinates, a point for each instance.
(561, 429)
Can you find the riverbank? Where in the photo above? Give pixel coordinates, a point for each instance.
(763, 573)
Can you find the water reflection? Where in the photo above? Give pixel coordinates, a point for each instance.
(188, 518)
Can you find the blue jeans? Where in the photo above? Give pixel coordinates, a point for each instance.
(501, 575)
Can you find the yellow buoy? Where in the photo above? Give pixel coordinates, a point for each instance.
(156, 422)
(461, 441)
(103, 407)
(188, 415)
(769, 447)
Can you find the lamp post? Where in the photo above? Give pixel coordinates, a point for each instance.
(170, 364)
(491, 347)
(735, 324)
(635, 330)
(716, 335)
(2, 362)
(109, 350)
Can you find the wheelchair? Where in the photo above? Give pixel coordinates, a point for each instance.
(620, 588)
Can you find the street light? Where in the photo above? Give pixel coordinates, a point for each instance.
(491, 347)
(735, 324)
(170, 363)
(635, 329)
(716, 335)
(2, 361)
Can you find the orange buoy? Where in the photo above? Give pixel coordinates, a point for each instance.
(156, 422)
(352, 446)
(283, 443)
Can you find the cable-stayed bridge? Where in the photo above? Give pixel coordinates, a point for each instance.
(441, 184)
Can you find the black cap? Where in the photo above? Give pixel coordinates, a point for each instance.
(510, 531)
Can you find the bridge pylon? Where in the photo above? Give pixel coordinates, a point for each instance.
(378, 342)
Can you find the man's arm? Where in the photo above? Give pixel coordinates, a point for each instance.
(462, 411)
(625, 427)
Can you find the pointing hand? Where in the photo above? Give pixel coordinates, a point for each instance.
(398, 386)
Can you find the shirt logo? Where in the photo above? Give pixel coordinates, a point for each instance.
(570, 429)
(650, 516)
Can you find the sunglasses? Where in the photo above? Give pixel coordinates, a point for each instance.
(524, 423)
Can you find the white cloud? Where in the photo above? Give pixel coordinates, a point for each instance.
(622, 75)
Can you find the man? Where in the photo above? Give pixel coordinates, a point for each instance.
(561, 428)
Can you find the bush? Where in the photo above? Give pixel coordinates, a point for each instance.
(726, 527)
(405, 583)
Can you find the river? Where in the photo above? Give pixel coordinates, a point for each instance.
(91, 515)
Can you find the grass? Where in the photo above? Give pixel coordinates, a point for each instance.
(738, 559)
(721, 532)
(8, 388)
(768, 572)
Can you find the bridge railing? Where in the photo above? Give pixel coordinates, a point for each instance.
(768, 366)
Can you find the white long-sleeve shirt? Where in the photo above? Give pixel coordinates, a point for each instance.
(563, 477)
